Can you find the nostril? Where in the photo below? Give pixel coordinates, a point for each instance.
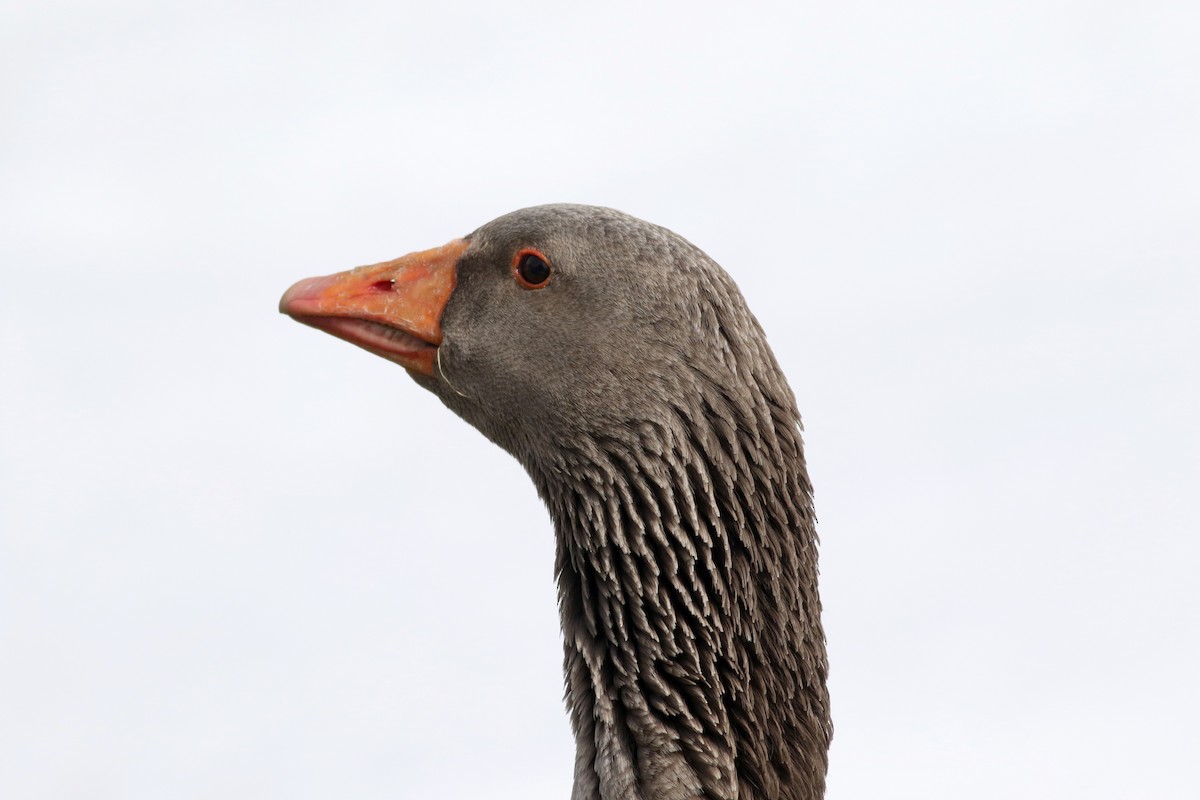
(383, 286)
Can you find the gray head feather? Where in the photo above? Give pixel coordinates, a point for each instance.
(640, 394)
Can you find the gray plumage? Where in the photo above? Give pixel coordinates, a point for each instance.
(640, 394)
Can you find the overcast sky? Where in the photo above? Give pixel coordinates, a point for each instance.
(239, 558)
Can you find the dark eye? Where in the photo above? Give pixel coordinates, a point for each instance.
(532, 270)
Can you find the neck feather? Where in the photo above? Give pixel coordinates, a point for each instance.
(687, 568)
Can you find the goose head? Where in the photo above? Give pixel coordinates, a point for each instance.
(621, 366)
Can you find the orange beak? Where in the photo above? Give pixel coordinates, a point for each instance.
(393, 309)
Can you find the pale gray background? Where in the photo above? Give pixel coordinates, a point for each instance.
(242, 559)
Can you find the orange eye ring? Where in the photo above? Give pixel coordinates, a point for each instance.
(531, 269)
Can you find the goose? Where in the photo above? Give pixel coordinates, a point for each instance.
(621, 367)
